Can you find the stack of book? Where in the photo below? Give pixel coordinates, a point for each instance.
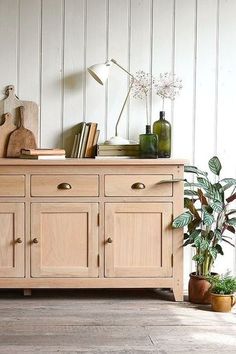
(85, 141)
(118, 151)
(43, 154)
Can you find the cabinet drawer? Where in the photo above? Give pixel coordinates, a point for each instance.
(64, 185)
(12, 185)
(138, 185)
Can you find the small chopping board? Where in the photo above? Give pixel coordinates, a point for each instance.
(11, 103)
(6, 129)
(20, 138)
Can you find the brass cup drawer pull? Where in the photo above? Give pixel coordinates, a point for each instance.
(35, 240)
(138, 185)
(19, 240)
(64, 186)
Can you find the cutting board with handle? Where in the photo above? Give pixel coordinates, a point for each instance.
(6, 128)
(20, 138)
(11, 103)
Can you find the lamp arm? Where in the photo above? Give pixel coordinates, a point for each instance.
(126, 99)
(121, 67)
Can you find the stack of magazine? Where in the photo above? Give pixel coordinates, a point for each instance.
(130, 151)
(85, 140)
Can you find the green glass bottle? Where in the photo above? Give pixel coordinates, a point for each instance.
(163, 130)
(148, 144)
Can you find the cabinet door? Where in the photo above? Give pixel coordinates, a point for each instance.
(64, 240)
(12, 240)
(138, 240)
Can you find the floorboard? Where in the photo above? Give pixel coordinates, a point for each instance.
(111, 321)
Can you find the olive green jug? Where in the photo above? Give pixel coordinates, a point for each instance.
(162, 128)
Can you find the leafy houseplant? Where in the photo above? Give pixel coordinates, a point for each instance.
(209, 215)
(223, 284)
(223, 288)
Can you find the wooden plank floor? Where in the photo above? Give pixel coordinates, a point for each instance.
(111, 321)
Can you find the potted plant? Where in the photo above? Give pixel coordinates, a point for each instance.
(223, 288)
(207, 217)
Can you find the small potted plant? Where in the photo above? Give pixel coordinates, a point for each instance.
(223, 288)
(207, 217)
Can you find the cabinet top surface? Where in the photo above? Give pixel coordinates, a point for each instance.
(91, 162)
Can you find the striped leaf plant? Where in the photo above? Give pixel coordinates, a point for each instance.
(209, 217)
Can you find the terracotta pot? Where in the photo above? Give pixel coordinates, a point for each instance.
(222, 303)
(199, 289)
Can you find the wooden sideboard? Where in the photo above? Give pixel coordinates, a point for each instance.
(91, 224)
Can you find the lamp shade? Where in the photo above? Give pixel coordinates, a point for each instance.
(100, 72)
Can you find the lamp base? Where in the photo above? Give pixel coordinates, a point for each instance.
(117, 140)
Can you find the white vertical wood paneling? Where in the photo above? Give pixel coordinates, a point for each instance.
(96, 52)
(163, 12)
(140, 59)
(9, 43)
(73, 69)
(48, 44)
(52, 73)
(226, 107)
(29, 50)
(118, 48)
(205, 81)
(183, 124)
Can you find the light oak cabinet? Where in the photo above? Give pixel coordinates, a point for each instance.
(91, 224)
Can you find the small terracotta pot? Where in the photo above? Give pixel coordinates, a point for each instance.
(222, 303)
(199, 289)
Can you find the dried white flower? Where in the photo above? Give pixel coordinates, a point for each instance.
(168, 85)
(142, 85)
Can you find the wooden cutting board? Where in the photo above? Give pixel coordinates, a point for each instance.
(6, 129)
(11, 103)
(21, 138)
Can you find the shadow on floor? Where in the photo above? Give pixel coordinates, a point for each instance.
(144, 294)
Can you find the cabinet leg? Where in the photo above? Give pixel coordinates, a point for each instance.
(27, 292)
(178, 294)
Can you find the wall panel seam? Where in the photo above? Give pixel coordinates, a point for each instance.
(84, 83)
(128, 78)
(217, 75)
(63, 19)
(18, 41)
(195, 76)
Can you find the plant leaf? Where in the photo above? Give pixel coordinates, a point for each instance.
(193, 224)
(198, 258)
(219, 249)
(232, 211)
(189, 192)
(232, 221)
(218, 234)
(202, 198)
(217, 206)
(208, 219)
(230, 228)
(194, 169)
(213, 252)
(231, 244)
(195, 234)
(205, 184)
(182, 220)
(231, 198)
(231, 181)
(215, 165)
(189, 204)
